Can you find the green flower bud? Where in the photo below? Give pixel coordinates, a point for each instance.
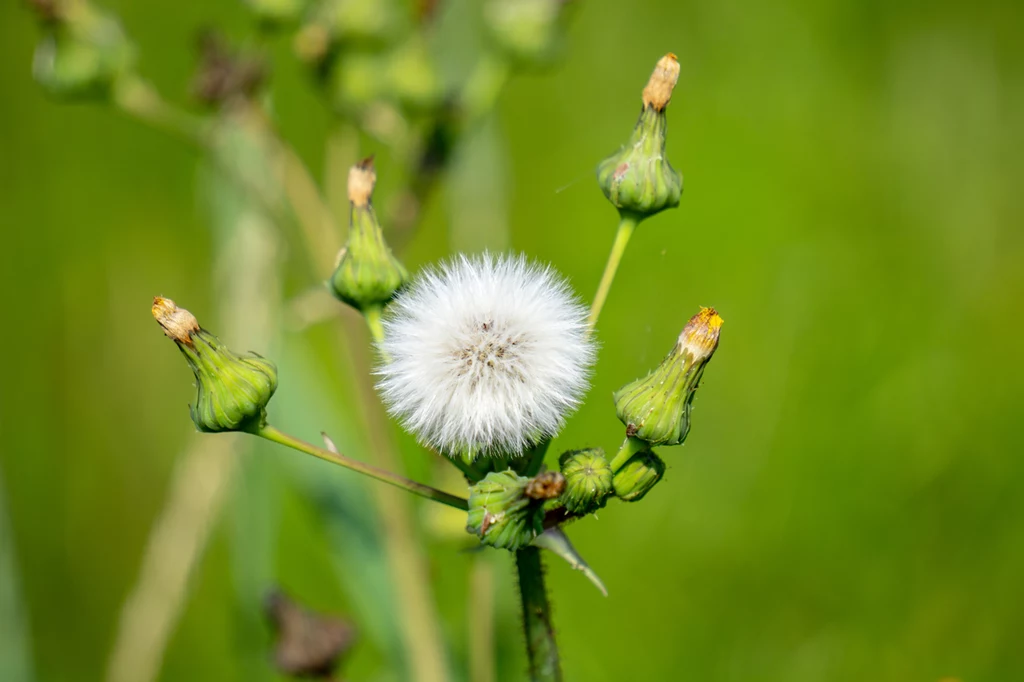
(367, 273)
(656, 409)
(637, 476)
(529, 32)
(358, 79)
(500, 512)
(588, 480)
(84, 53)
(638, 179)
(233, 390)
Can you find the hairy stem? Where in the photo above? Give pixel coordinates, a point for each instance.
(627, 223)
(540, 633)
(421, 489)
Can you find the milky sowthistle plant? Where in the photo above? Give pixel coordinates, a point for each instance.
(482, 357)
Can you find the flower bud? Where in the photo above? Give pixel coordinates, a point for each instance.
(84, 53)
(638, 179)
(656, 409)
(368, 23)
(588, 480)
(637, 476)
(500, 512)
(367, 273)
(233, 390)
(529, 32)
(413, 79)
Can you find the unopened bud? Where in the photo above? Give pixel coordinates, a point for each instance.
(500, 512)
(367, 273)
(638, 179)
(368, 23)
(84, 53)
(656, 409)
(588, 480)
(637, 476)
(232, 390)
(529, 32)
(413, 79)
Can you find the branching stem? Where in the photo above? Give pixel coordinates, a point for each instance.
(421, 489)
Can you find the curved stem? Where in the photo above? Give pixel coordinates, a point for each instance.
(540, 633)
(373, 321)
(421, 489)
(630, 447)
(627, 223)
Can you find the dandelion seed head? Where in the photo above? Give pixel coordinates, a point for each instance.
(485, 355)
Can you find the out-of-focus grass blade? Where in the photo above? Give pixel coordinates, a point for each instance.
(15, 638)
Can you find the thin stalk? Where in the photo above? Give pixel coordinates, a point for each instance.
(272, 434)
(373, 315)
(481, 620)
(485, 83)
(141, 100)
(630, 447)
(627, 223)
(541, 647)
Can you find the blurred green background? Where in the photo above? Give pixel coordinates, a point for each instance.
(847, 506)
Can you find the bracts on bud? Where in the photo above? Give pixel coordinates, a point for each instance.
(588, 480)
(501, 513)
(657, 408)
(367, 273)
(232, 390)
(638, 179)
(637, 476)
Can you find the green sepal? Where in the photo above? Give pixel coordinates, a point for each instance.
(367, 273)
(638, 179)
(232, 390)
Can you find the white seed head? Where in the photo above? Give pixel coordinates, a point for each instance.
(485, 355)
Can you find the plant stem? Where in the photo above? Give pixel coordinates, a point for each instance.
(139, 99)
(540, 633)
(627, 223)
(421, 489)
(630, 447)
(373, 321)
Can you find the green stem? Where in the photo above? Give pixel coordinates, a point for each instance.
(540, 633)
(141, 100)
(627, 223)
(373, 315)
(485, 83)
(421, 489)
(630, 447)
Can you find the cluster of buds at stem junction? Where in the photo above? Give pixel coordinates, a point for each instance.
(506, 510)
(656, 409)
(367, 273)
(233, 390)
(84, 52)
(638, 179)
(588, 480)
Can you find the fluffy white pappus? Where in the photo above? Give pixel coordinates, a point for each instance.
(485, 355)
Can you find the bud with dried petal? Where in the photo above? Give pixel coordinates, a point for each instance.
(656, 408)
(233, 390)
(367, 273)
(638, 179)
